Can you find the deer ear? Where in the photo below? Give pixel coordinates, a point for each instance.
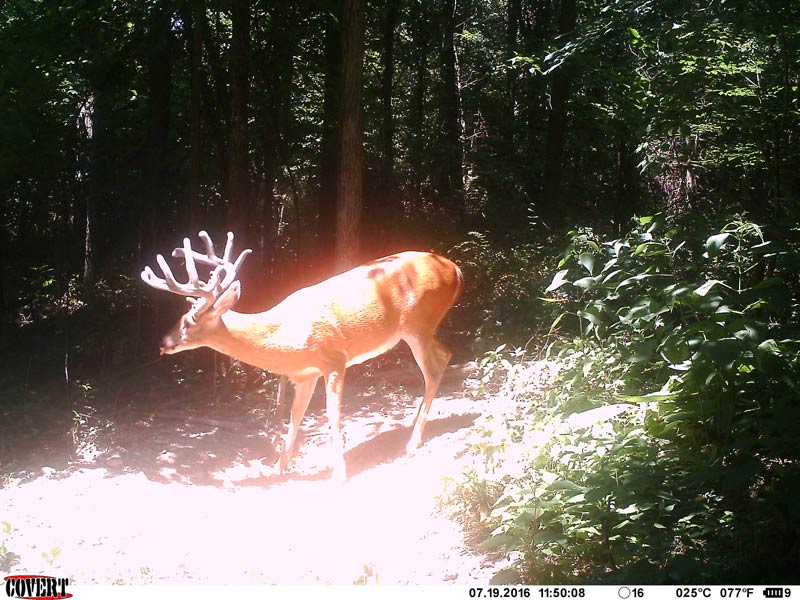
(228, 298)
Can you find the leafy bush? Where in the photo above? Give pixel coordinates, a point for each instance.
(668, 450)
(502, 288)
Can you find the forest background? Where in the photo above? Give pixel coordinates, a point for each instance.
(618, 180)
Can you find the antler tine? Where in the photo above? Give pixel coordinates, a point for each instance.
(228, 247)
(191, 269)
(203, 235)
(203, 293)
(168, 283)
(151, 279)
(216, 282)
(232, 270)
(169, 279)
(209, 258)
(241, 258)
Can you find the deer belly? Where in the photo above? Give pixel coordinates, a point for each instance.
(360, 353)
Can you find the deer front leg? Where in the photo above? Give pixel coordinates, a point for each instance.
(302, 396)
(334, 384)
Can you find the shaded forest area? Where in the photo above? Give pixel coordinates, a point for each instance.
(496, 132)
(128, 126)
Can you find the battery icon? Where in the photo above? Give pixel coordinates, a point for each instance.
(773, 592)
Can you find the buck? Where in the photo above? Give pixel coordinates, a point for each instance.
(318, 331)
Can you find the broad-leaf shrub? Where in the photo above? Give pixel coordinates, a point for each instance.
(667, 451)
(501, 296)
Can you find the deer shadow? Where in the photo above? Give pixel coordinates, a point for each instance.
(194, 449)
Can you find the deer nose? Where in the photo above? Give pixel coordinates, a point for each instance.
(168, 343)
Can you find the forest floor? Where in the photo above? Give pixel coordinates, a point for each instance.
(178, 497)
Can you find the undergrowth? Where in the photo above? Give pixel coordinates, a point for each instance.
(667, 450)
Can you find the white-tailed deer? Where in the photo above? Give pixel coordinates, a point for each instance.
(319, 330)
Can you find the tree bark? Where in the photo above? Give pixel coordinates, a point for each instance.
(383, 210)
(329, 146)
(217, 89)
(276, 72)
(239, 169)
(420, 42)
(195, 201)
(448, 179)
(159, 83)
(5, 250)
(512, 31)
(387, 87)
(89, 271)
(627, 187)
(350, 186)
(551, 208)
(533, 111)
(86, 125)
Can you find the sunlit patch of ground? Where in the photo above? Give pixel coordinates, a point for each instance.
(185, 504)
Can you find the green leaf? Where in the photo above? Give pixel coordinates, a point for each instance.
(630, 509)
(588, 261)
(707, 287)
(508, 576)
(586, 283)
(499, 541)
(556, 321)
(546, 537)
(591, 314)
(651, 397)
(565, 484)
(770, 346)
(559, 280)
(715, 243)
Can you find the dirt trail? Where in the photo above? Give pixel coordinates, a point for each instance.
(183, 504)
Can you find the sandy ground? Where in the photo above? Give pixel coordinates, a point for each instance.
(182, 501)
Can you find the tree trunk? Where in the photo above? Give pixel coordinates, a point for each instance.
(5, 250)
(276, 72)
(448, 169)
(239, 166)
(88, 125)
(89, 271)
(329, 146)
(382, 207)
(387, 86)
(195, 201)
(159, 80)
(89, 167)
(532, 101)
(512, 31)
(350, 187)
(221, 105)
(551, 208)
(627, 187)
(420, 41)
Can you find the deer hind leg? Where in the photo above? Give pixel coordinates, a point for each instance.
(302, 396)
(432, 358)
(334, 384)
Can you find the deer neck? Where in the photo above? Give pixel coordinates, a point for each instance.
(248, 338)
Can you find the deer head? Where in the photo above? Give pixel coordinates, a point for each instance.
(209, 299)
